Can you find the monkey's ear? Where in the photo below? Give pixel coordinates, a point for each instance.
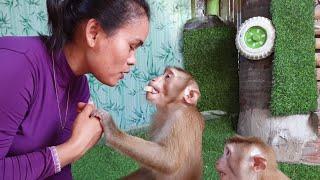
(259, 163)
(191, 95)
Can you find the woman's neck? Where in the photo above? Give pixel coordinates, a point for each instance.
(75, 58)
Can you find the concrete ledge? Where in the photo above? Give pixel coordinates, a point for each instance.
(212, 114)
(287, 135)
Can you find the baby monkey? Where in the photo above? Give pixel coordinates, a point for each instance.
(248, 158)
(174, 151)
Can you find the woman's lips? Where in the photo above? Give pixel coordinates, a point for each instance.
(123, 74)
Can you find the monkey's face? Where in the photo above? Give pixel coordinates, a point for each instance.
(168, 87)
(228, 165)
(243, 159)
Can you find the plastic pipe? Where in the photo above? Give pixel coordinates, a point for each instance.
(213, 7)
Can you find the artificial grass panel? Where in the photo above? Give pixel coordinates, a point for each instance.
(210, 55)
(294, 88)
(103, 163)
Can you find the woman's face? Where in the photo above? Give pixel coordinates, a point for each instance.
(111, 57)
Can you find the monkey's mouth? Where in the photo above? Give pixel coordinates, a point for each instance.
(222, 174)
(153, 90)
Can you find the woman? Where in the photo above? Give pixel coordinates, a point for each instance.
(42, 82)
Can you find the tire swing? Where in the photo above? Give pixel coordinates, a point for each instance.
(255, 38)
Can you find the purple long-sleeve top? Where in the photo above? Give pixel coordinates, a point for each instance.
(29, 117)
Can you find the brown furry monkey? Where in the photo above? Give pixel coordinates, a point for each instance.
(174, 151)
(248, 158)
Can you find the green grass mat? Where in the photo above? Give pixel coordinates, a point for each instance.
(294, 88)
(210, 55)
(102, 163)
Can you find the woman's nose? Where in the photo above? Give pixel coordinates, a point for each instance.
(131, 60)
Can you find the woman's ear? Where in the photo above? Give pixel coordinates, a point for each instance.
(92, 30)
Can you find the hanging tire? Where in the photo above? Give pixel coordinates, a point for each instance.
(255, 38)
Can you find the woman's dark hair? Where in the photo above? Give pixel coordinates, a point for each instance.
(65, 15)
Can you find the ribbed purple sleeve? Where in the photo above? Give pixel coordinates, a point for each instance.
(35, 165)
(16, 93)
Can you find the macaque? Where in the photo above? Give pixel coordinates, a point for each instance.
(174, 151)
(248, 158)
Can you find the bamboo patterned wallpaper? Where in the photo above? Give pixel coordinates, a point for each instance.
(126, 101)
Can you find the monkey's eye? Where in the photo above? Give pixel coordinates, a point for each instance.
(228, 152)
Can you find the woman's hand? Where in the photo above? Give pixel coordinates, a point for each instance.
(86, 132)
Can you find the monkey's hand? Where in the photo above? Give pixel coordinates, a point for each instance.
(109, 127)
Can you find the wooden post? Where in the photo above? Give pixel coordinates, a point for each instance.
(317, 55)
(317, 19)
(317, 12)
(318, 74)
(317, 43)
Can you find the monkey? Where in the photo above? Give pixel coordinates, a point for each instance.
(175, 148)
(248, 158)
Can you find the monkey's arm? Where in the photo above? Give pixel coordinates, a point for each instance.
(149, 154)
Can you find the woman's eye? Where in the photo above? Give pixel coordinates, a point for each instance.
(132, 47)
(168, 76)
